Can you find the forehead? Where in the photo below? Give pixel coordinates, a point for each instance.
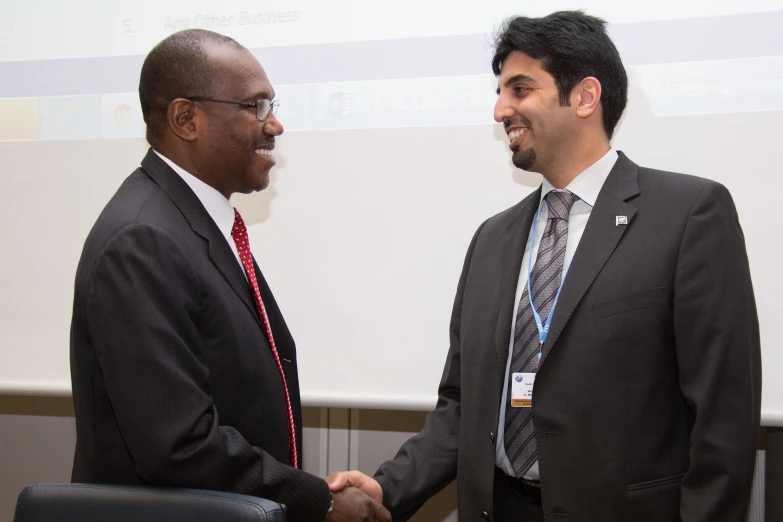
(239, 71)
(518, 63)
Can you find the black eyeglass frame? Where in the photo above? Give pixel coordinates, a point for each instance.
(270, 106)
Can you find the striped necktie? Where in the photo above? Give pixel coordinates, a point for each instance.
(545, 278)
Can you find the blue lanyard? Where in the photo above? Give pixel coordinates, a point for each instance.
(543, 329)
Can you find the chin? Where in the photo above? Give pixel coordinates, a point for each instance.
(257, 183)
(525, 159)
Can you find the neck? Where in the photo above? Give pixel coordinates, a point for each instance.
(579, 160)
(184, 160)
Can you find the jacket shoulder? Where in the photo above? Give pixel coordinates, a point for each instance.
(685, 186)
(500, 221)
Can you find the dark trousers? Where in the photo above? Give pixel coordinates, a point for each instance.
(515, 502)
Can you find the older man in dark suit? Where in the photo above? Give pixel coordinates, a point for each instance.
(604, 362)
(184, 372)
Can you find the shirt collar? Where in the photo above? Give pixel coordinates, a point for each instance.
(587, 185)
(217, 206)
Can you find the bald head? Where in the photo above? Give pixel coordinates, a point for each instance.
(178, 67)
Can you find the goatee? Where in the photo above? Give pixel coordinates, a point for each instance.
(524, 159)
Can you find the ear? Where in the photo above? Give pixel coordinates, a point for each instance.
(587, 94)
(184, 119)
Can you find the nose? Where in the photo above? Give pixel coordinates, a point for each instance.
(272, 125)
(503, 110)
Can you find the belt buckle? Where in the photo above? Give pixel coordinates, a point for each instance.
(536, 484)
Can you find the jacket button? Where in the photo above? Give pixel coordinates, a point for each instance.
(491, 437)
(485, 516)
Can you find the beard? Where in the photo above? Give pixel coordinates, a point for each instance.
(524, 158)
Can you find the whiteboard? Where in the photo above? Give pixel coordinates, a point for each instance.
(389, 163)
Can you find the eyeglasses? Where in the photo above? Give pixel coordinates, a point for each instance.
(262, 107)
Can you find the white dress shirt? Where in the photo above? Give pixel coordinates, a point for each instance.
(586, 186)
(218, 207)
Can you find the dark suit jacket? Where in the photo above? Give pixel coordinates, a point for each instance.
(174, 382)
(647, 402)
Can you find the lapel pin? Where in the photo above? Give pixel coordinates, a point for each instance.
(620, 220)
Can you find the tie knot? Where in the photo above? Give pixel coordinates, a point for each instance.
(238, 231)
(559, 204)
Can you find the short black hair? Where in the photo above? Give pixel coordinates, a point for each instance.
(572, 46)
(177, 67)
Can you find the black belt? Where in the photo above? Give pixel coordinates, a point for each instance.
(529, 490)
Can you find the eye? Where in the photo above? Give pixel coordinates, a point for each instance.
(520, 90)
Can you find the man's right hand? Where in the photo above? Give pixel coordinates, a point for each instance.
(369, 485)
(351, 505)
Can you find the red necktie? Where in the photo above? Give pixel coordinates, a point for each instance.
(239, 233)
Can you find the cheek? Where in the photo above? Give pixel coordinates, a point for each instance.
(237, 132)
(239, 138)
(234, 141)
(222, 140)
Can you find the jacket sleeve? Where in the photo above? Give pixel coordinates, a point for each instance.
(427, 462)
(144, 313)
(718, 353)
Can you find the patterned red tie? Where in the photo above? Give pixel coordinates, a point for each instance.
(239, 233)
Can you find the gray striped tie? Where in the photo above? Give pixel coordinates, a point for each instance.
(545, 278)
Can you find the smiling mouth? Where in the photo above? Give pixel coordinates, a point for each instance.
(267, 156)
(515, 136)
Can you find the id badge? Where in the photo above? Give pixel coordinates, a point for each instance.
(522, 390)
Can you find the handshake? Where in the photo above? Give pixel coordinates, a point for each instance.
(356, 497)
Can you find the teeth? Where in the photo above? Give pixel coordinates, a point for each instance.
(515, 134)
(263, 152)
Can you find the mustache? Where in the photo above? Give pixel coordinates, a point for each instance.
(267, 142)
(521, 121)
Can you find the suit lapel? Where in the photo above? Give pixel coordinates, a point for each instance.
(512, 248)
(283, 338)
(598, 242)
(188, 203)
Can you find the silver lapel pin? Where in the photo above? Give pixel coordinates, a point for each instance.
(620, 220)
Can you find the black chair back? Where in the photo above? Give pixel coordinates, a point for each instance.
(100, 503)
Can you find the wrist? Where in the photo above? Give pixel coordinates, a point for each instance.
(331, 504)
